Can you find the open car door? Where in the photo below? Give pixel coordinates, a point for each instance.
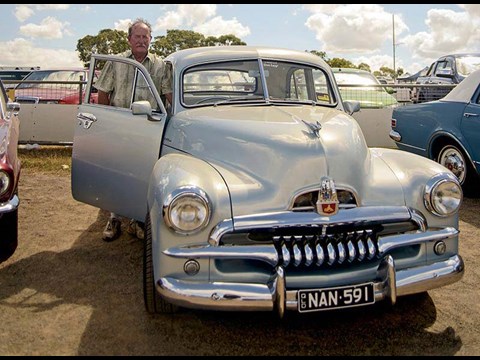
(114, 148)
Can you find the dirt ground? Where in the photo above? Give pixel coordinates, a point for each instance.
(66, 292)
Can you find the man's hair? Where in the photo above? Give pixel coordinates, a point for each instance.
(139, 21)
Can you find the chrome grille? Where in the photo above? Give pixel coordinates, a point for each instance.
(326, 250)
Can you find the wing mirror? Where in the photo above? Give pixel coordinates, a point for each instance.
(351, 106)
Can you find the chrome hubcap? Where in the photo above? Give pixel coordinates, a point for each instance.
(454, 162)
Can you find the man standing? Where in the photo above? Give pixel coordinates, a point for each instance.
(115, 88)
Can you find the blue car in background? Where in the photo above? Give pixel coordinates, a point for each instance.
(445, 130)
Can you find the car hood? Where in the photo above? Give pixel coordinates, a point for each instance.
(268, 154)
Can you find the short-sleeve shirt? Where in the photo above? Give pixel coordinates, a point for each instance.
(116, 79)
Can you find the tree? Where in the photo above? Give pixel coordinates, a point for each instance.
(363, 66)
(176, 40)
(386, 71)
(107, 41)
(322, 54)
(340, 63)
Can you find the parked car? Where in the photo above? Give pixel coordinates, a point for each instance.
(49, 87)
(9, 175)
(448, 70)
(258, 190)
(366, 88)
(445, 130)
(14, 74)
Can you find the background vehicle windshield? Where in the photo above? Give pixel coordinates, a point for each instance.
(52, 75)
(355, 79)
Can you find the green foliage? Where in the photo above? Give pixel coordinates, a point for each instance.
(107, 41)
(185, 39)
(363, 66)
(341, 63)
(322, 54)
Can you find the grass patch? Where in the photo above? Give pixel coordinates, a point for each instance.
(49, 159)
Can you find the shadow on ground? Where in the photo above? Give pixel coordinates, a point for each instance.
(107, 277)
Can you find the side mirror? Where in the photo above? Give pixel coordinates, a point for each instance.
(13, 106)
(351, 106)
(142, 107)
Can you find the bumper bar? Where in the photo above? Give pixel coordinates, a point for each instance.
(274, 296)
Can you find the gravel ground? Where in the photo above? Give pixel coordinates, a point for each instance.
(66, 292)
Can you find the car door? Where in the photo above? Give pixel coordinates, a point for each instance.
(470, 127)
(115, 148)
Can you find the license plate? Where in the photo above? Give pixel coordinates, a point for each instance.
(335, 297)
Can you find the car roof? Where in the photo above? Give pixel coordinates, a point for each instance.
(198, 55)
(351, 70)
(463, 92)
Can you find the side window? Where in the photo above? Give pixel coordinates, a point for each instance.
(142, 91)
(298, 85)
(3, 101)
(443, 67)
(119, 85)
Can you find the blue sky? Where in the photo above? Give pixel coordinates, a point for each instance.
(46, 35)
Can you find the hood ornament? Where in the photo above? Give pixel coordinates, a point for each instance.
(314, 128)
(327, 203)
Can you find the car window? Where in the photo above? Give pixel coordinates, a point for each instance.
(443, 67)
(53, 75)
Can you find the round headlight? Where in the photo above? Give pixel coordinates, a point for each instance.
(4, 182)
(187, 210)
(443, 196)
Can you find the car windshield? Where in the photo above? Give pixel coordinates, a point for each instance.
(52, 75)
(467, 64)
(241, 81)
(355, 78)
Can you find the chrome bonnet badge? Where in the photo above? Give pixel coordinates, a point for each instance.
(327, 203)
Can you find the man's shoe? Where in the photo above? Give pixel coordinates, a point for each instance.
(132, 227)
(140, 233)
(136, 229)
(112, 230)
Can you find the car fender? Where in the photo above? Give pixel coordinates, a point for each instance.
(171, 172)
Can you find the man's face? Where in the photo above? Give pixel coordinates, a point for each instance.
(140, 40)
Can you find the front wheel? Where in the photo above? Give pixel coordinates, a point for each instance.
(154, 303)
(9, 234)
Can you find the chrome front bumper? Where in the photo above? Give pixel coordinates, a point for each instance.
(10, 206)
(274, 296)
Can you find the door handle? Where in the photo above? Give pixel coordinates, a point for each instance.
(86, 120)
(467, 115)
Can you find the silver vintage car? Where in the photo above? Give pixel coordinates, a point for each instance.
(258, 190)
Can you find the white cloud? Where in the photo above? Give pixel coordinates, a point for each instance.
(196, 14)
(49, 28)
(123, 24)
(200, 18)
(218, 26)
(171, 20)
(448, 32)
(353, 28)
(21, 52)
(24, 11)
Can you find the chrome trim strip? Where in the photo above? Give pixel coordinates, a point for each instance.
(269, 254)
(266, 253)
(387, 243)
(259, 297)
(11, 205)
(285, 219)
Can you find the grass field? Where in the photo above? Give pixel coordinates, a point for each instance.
(49, 159)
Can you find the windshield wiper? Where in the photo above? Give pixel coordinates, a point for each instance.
(240, 98)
